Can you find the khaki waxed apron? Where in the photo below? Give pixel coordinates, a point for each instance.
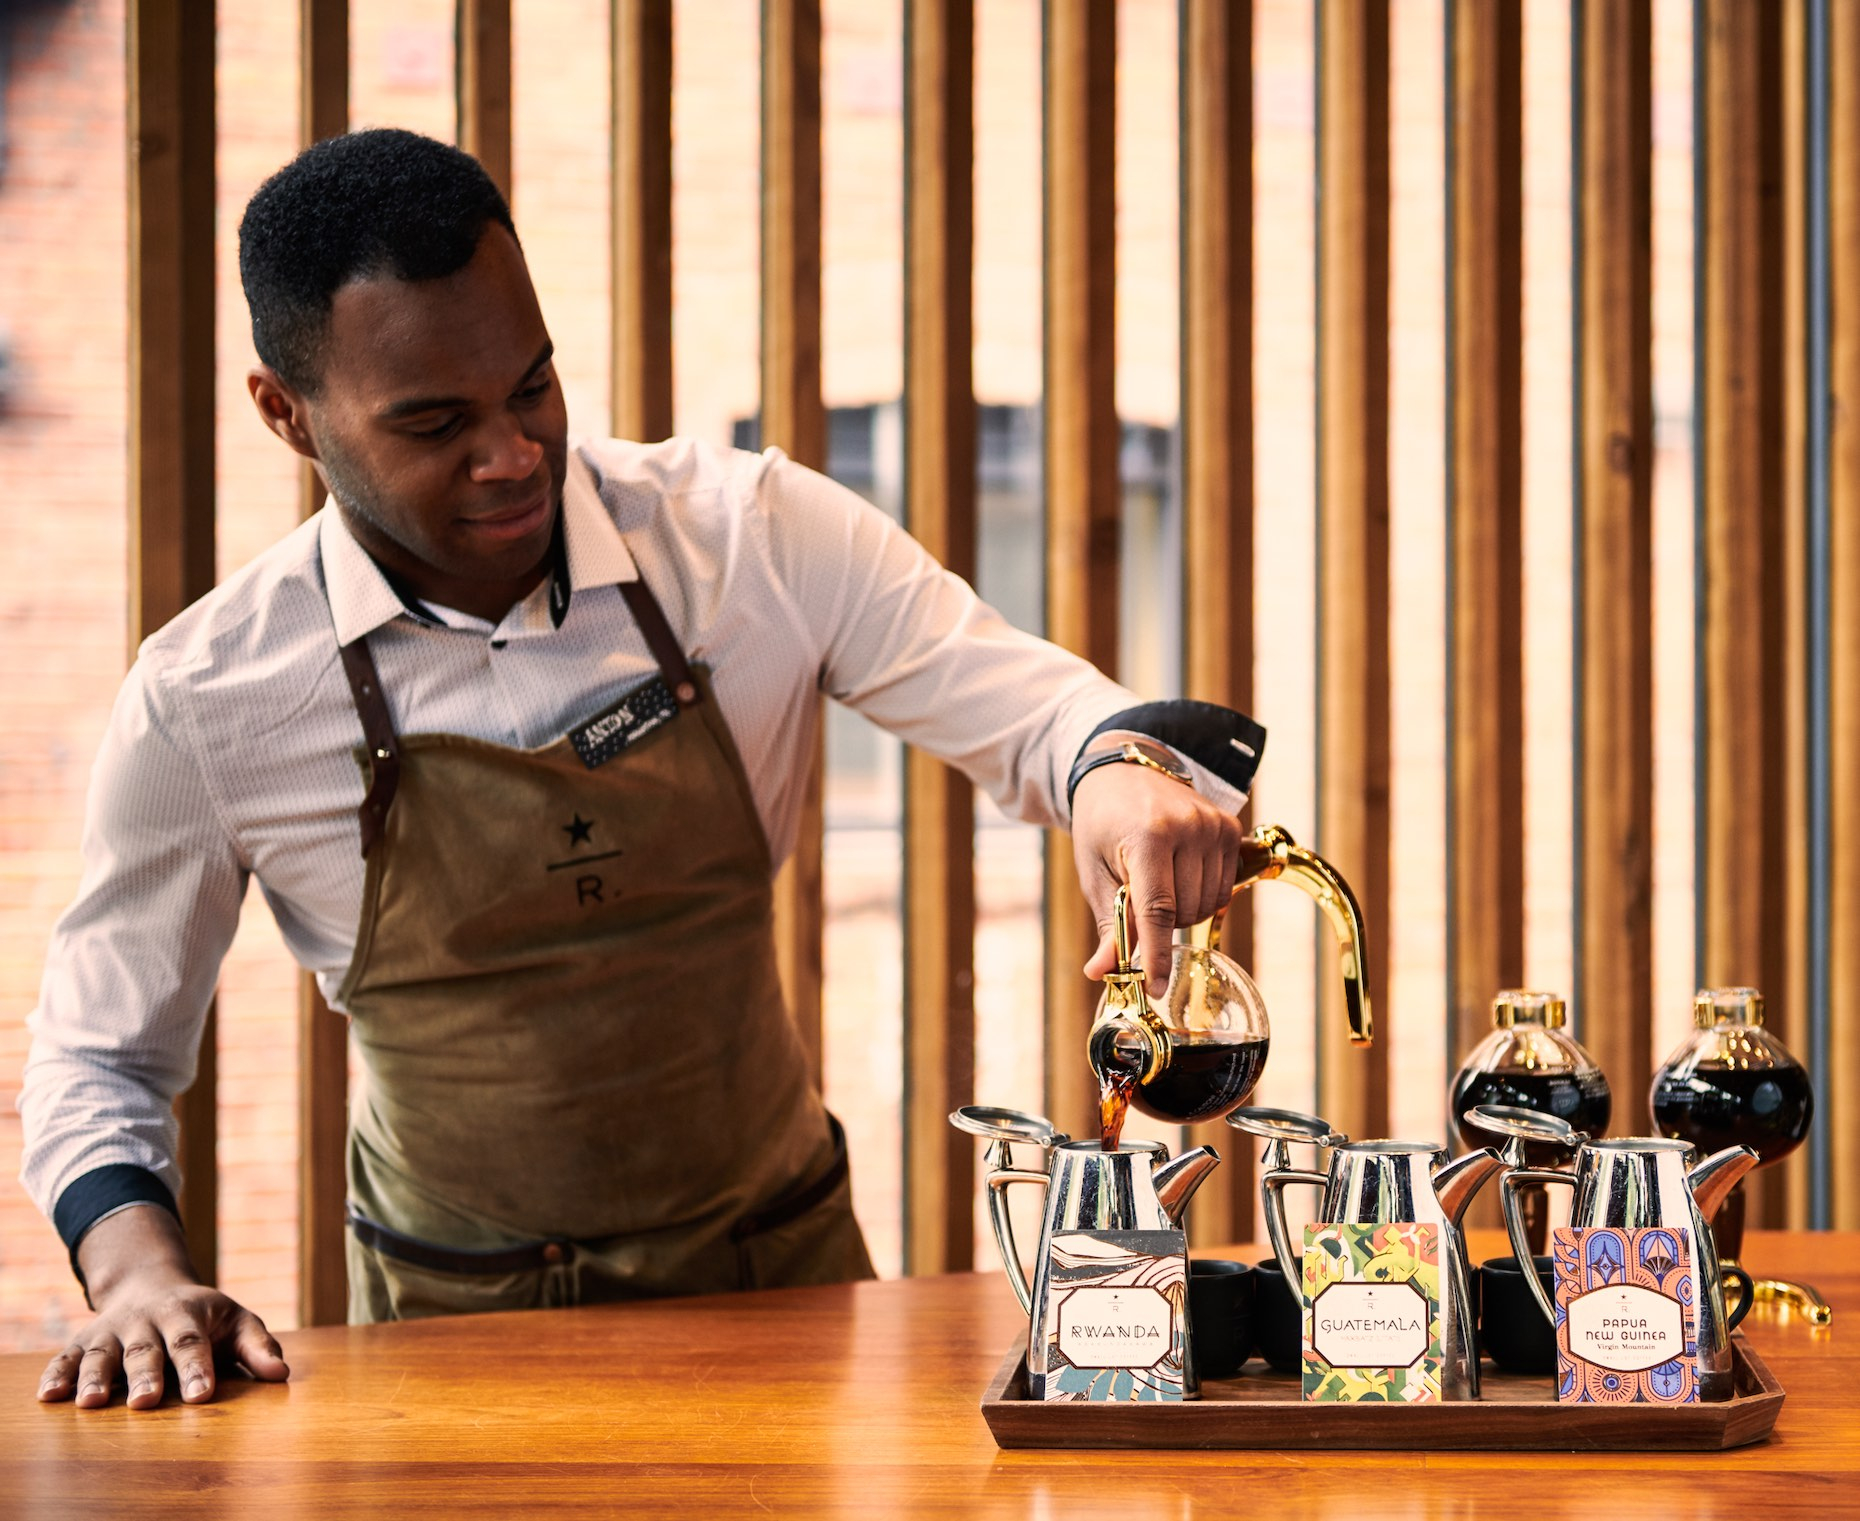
(579, 1078)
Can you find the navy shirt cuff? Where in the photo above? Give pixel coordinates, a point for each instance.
(103, 1191)
(1223, 741)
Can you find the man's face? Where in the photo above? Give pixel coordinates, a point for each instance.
(441, 429)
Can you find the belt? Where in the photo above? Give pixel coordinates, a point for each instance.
(530, 1256)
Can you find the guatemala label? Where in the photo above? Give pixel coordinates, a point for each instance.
(1116, 1321)
(635, 715)
(1624, 1316)
(1372, 1313)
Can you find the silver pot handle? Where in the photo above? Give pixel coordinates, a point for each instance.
(1272, 1188)
(1513, 1183)
(1002, 1174)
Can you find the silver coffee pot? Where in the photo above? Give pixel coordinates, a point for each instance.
(1134, 1188)
(1644, 1181)
(1381, 1183)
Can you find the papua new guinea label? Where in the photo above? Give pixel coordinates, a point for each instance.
(1372, 1313)
(1624, 1313)
(1116, 1315)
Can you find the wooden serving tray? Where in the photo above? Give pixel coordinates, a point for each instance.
(1262, 1409)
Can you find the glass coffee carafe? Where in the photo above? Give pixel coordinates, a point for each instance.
(1195, 1053)
(1189, 1056)
(1531, 1061)
(1732, 1083)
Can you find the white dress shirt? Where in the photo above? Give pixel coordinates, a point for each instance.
(231, 752)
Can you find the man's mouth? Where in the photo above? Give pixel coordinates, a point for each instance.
(516, 522)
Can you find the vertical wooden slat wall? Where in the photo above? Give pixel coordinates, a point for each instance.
(794, 418)
(1614, 482)
(322, 1036)
(1782, 1197)
(1082, 496)
(1217, 448)
(642, 219)
(940, 508)
(1353, 532)
(483, 64)
(172, 421)
(171, 121)
(1741, 395)
(1839, 1086)
(1485, 495)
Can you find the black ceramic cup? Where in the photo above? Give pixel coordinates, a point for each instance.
(1278, 1319)
(1512, 1328)
(1220, 1315)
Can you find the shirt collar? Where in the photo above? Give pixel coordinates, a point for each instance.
(588, 552)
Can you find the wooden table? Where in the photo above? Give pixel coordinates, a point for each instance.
(859, 1400)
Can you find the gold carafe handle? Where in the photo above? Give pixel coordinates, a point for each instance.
(1271, 853)
(1125, 1009)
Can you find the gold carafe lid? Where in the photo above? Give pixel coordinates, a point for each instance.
(1737, 1006)
(1519, 1006)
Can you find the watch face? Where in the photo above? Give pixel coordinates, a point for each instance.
(1149, 752)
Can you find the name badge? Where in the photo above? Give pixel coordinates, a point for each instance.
(635, 715)
(1372, 1313)
(1624, 1308)
(1116, 1315)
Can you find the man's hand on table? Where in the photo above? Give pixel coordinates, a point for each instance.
(152, 1311)
(1178, 851)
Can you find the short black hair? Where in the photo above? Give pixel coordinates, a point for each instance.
(354, 207)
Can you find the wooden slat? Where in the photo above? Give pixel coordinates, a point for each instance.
(940, 508)
(1614, 451)
(1780, 1196)
(1839, 1086)
(1353, 514)
(322, 1035)
(642, 218)
(171, 423)
(484, 85)
(1217, 450)
(794, 417)
(1741, 465)
(1082, 498)
(1485, 450)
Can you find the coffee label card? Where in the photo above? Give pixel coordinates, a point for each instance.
(1624, 1316)
(1117, 1315)
(1372, 1313)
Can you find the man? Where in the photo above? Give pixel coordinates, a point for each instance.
(513, 738)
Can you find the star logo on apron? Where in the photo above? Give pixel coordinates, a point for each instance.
(590, 887)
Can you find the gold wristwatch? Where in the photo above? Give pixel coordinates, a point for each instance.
(1137, 752)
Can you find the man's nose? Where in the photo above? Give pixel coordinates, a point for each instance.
(506, 453)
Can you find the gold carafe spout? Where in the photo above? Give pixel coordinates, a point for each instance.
(1269, 853)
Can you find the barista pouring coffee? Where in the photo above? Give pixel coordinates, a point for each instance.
(513, 738)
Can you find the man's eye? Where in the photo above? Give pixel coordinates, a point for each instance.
(535, 392)
(444, 430)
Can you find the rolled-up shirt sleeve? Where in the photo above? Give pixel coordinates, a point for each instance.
(912, 647)
(131, 967)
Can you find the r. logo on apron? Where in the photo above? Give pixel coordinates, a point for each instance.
(579, 1079)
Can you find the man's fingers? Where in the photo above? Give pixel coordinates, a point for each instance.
(145, 1357)
(1104, 959)
(1152, 908)
(190, 1349)
(258, 1349)
(1216, 886)
(97, 1371)
(60, 1376)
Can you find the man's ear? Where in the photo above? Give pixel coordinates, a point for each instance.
(283, 408)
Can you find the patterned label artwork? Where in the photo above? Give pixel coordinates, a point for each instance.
(1116, 1321)
(1624, 1316)
(1372, 1313)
